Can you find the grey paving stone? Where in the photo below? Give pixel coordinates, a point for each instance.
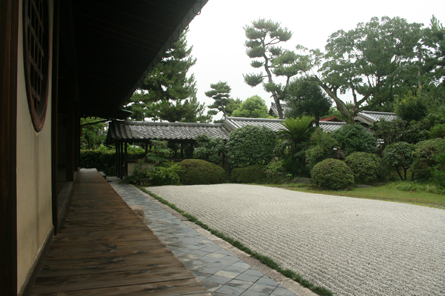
(230, 290)
(227, 274)
(217, 279)
(261, 288)
(238, 283)
(281, 291)
(220, 272)
(246, 277)
(264, 280)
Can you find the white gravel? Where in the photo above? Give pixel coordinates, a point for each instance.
(349, 245)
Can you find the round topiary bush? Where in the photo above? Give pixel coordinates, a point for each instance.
(355, 138)
(366, 167)
(250, 174)
(399, 156)
(197, 171)
(251, 145)
(332, 174)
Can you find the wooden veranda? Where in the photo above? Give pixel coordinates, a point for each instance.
(103, 248)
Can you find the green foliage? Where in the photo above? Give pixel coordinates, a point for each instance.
(370, 62)
(410, 186)
(296, 137)
(305, 97)
(322, 147)
(251, 145)
(297, 130)
(437, 131)
(275, 170)
(332, 174)
(399, 156)
(210, 149)
(411, 107)
(158, 152)
(220, 93)
(197, 171)
(167, 174)
(438, 171)
(390, 131)
(424, 156)
(253, 107)
(366, 167)
(232, 105)
(104, 161)
(355, 138)
(249, 174)
(262, 39)
(93, 133)
(167, 92)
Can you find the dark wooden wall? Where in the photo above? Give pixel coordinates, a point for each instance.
(8, 127)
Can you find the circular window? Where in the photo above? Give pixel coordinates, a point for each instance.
(36, 58)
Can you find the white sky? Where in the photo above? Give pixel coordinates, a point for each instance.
(217, 34)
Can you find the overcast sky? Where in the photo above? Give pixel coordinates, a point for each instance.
(217, 34)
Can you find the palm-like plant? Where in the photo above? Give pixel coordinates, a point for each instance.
(297, 130)
(297, 133)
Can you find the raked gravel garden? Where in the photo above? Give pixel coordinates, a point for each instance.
(351, 246)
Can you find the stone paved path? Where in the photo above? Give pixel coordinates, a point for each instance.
(220, 271)
(351, 246)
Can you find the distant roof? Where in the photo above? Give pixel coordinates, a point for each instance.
(368, 117)
(133, 131)
(373, 116)
(332, 118)
(233, 123)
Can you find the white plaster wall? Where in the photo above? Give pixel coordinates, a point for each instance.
(34, 215)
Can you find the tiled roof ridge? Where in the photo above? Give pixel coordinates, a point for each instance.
(378, 112)
(255, 119)
(169, 123)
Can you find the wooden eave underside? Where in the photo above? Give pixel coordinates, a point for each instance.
(118, 42)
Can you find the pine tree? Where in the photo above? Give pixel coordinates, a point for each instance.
(221, 94)
(167, 92)
(263, 37)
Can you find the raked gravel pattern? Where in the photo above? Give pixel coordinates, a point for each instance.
(349, 245)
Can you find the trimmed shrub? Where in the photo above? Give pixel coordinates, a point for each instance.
(437, 131)
(322, 148)
(104, 161)
(355, 138)
(166, 174)
(210, 149)
(424, 157)
(332, 174)
(251, 145)
(197, 171)
(399, 156)
(250, 174)
(367, 168)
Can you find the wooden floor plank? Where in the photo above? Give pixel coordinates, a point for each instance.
(188, 287)
(103, 248)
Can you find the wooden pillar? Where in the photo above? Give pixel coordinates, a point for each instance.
(9, 16)
(182, 149)
(125, 159)
(54, 116)
(76, 133)
(70, 138)
(115, 159)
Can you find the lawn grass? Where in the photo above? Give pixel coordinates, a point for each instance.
(394, 191)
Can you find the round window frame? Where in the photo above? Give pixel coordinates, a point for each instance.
(37, 109)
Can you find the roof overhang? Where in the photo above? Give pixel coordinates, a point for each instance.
(117, 43)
